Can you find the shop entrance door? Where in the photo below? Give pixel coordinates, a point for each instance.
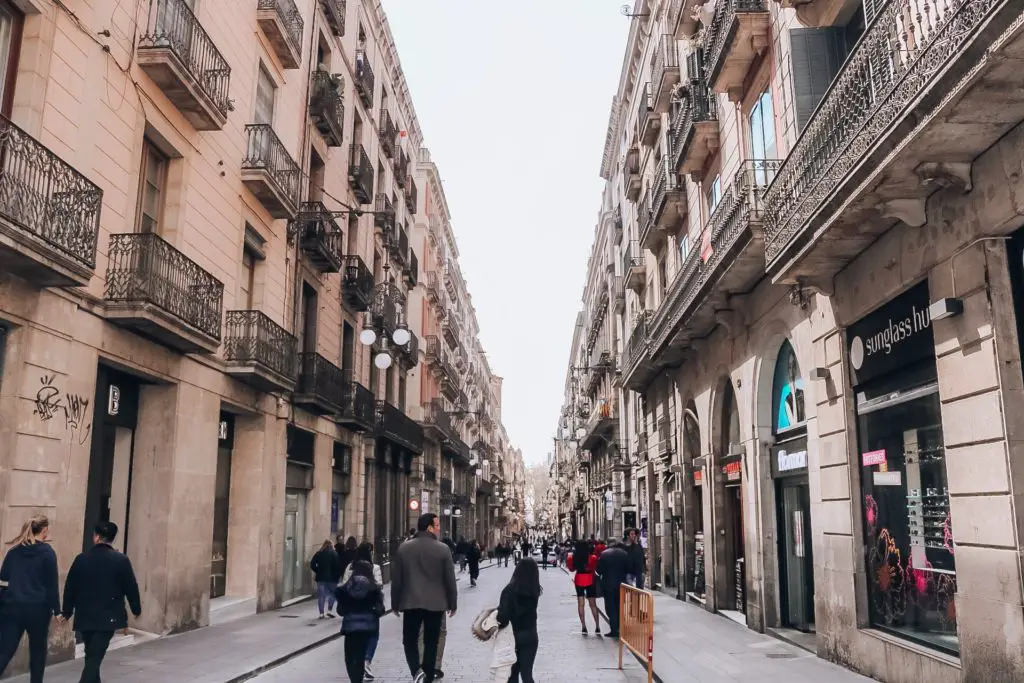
(736, 584)
(221, 507)
(795, 560)
(294, 544)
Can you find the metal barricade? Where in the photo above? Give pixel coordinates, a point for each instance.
(636, 626)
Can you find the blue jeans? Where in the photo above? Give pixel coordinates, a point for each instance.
(325, 593)
(371, 646)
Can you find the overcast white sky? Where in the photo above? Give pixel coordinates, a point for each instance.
(513, 99)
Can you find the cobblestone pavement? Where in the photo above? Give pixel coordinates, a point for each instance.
(564, 656)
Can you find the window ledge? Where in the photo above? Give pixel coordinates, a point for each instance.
(941, 657)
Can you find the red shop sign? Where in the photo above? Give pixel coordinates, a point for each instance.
(732, 471)
(698, 477)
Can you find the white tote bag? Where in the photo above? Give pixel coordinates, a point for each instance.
(504, 654)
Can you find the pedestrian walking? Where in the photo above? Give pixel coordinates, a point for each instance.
(612, 567)
(99, 582)
(518, 607)
(346, 551)
(441, 641)
(29, 595)
(326, 566)
(461, 549)
(423, 588)
(544, 550)
(361, 603)
(584, 564)
(473, 558)
(636, 558)
(364, 553)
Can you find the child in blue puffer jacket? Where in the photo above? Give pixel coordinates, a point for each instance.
(361, 603)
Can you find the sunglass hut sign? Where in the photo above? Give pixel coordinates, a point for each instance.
(895, 335)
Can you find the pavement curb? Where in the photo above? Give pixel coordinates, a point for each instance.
(264, 668)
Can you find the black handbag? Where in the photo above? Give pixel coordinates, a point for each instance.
(378, 608)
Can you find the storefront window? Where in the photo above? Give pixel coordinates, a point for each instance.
(788, 391)
(911, 571)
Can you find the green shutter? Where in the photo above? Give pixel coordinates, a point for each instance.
(817, 54)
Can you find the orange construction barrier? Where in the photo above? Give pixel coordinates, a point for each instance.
(636, 625)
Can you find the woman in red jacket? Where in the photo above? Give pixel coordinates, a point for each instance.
(584, 563)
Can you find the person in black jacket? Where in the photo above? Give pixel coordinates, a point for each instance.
(346, 552)
(473, 558)
(613, 566)
(518, 606)
(327, 572)
(635, 550)
(361, 603)
(98, 583)
(29, 599)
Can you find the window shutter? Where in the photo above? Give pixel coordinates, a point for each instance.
(817, 55)
(871, 8)
(695, 65)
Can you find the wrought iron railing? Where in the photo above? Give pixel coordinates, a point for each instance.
(47, 197)
(638, 339)
(741, 203)
(290, 16)
(144, 269)
(319, 236)
(645, 106)
(433, 286)
(632, 164)
(388, 306)
(357, 282)
(666, 57)
(327, 106)
(409, 353)
(384, 213)
(401, 168)
(905, 45)
(411, 195)
(357, 402)
(321, 378)
(364, 78)
(252, 337)
(699, 105)
(645, 215)
(388, 133)
(173, 26)
(720, 32)
(266, 152)
(665, 181)
(334, 10)
(412, 270)
(399, 428)
(632, 257)
(360, 174)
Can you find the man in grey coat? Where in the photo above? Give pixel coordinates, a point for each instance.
(423, 588)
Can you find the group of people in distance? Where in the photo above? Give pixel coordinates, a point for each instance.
(599, 567)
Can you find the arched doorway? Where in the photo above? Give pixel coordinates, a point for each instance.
(694, 492)
(792, 493)
(732, 594)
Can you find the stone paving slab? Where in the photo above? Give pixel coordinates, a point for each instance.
(226, 653)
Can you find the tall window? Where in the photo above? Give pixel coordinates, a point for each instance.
(307, 326)
(762, 136)
(153, 185)
(348, 347)
(787, 391)
(730, 420)
(713, 193)
(248, 280)
(11, 21)
(684, 248)
(265, 95)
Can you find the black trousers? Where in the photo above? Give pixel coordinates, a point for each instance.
(96, 644)
(15, 621)
(611, 607)
(526, 654)
(412, 621)
(356, 645)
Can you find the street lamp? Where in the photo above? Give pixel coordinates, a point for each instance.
(400, 336)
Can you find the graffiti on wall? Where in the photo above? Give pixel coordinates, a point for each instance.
(75, 408)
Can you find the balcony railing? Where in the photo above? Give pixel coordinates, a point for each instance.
(395, 426)
(409, 354)
(154, 288)
(433, 287)
(647, 119)
(327, 107)
(637, 345)
(259, 351)
(388, 134)
(633, 178)
(384, 214)
(50, 212)
(401, 169)
(450, 329)
(398, 246)
(387, 307)
(696, 113)
(358, 405)
(668, 203)
(738, 32)
(319, 236)
(412, 271)
(360, 174)
(180, 57)
(645, 219)
(364, 79)
(356, 283)
(334, 10)
(411, 196)
(906, 46)
(321, 386)
(270, 172)
(664, 71)
(282, 23)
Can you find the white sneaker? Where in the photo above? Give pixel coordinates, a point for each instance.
(367, 672)
(420, 677)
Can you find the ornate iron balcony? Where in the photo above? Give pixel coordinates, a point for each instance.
(157, 290)
(694, 128)
(412, 271)
(319, 236)
(356, 284)
(360, 174)
(259, 351)
(450, 329)
(634, 181)
(334, 10)
(282, 23)
(270, 172)
(411, 196)
(637, 346)
(738, 33)
(433, 287)
(384, 213)
(49, 213)
(664, 71)
(182, 60)
(398, 246)
(401, 168)
(395, 426)
(645, 219)
(648, 122)
(364, 79)
(327, 107)
(358, 405)
(321, 387)
(387, 307)
(388, 134)
(409, 355)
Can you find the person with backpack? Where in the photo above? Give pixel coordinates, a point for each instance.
(364, 553)
(361, 603)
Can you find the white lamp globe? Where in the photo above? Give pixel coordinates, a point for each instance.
(447, 511)
(479, 472)
(382, 361)
(367, 337)
(580, 433)
(401, 336)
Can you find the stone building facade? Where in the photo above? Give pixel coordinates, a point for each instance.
(822, 252)
(205, 209)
